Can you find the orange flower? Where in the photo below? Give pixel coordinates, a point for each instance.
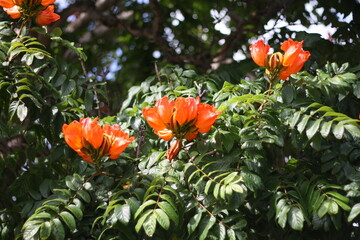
(116, 141)
(92, 132)
(259, 52)
(47, 16)
(182, 118)
(29, 8)
(13, 12)
(294, 58)
(207, 115)
(7, 3)
(280, 65)
(92, 142)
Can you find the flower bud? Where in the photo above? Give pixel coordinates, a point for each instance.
(174, 149)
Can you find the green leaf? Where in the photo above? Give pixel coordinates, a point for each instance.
(142, 219)
(282, 216)
(57, 229)
(76, 211)
(302, 124)
(333, 208)
(343, 205)
(222, 192)
(287, 94)
(170, 211)
(228, 140)
(313, 128)
(150, 225)
(216, 190)
(252, 181)
(71, 183)
(354, 130)
(31, 230)
(338, 196)
(338, 131)
(84, 195)
(296, 218)
(230, 178)
(89, 100)
(194, 222)
(67, 87)
(295, 119)
(355, 211)
(69, 220)
(162, 219)
(231, 234)
(222, 231)
(237, 188)
(324, 208)
(13, 108)
(45, 230)
(325, 129)
(123, 213)
(207, 186)
(143, 206)
(209, 223)
(169, 199)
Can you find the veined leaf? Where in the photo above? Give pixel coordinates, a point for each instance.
(355, 211)
(194, 222)
(149, 225)
(162, 218)
(170, 211)
(296, 218)
(207, 223)
(69, 220)
(123, 213)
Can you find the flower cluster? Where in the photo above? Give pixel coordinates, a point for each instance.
(92, 141)
(180, 118)
(42, 9)
(280, 65)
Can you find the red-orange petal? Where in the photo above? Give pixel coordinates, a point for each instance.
(191, 136)
(292, 50)
(165, 134)
(119, 140)
(7, 3)
(296, 66)
(207, 115)
(73, 135)
(165, 108)
(185, 109)
(180, 114)
(92, 132)
(13, 12)
(85, 157)
(47, 16)
(259, 52)
(153, 118)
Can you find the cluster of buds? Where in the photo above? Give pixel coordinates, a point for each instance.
(182, 118)
(93, 142)
(26, 9)
(278, 65)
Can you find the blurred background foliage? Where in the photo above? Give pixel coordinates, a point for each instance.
(277, 165)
